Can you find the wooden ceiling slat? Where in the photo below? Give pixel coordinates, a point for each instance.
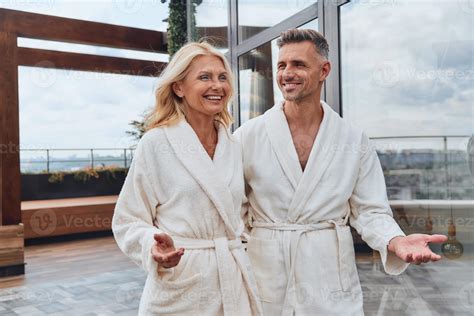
(84, 62)
(53, 28)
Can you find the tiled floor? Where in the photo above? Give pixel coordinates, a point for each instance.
(92, 277)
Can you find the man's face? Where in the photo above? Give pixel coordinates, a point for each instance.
(300, 71)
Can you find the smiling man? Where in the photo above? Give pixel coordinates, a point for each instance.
(309, 174)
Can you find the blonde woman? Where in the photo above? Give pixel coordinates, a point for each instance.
(186, 185)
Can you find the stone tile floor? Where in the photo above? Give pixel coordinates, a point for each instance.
(114, 293)
(445, 288)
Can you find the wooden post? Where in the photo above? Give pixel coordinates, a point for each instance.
(12, 249)
(10, 199)
(12, 261)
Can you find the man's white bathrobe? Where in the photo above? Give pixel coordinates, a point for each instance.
(173, 186)
(301, 247)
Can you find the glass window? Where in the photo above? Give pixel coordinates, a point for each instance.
(144, 14)
(78, 110)
(258, 15)
(258, 89)
(256, 81)
(407, 80)
(211, 18)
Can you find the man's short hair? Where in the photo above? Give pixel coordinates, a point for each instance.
(303, 35)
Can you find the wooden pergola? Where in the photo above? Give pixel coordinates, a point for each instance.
(18, 24)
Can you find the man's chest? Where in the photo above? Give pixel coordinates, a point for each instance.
(303, 142)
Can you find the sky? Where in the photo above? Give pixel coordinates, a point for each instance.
(407, 69)
(75, 109)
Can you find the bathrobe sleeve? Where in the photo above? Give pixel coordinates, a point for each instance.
(245, 211)
(132, 223)
(371, 215)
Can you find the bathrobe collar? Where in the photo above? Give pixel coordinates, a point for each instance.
(304, 183)
(213, 175)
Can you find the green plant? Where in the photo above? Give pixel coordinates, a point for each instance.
(138, 128)
(110, 171)
(85, 175)
(177, 24)
(56, 177)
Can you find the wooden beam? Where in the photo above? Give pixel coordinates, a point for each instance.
(84, 62)
(9, 132)
(47, 27)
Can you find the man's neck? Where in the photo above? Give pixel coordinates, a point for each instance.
(304, 114)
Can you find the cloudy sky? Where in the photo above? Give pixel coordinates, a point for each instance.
(407, 69)
(407, 66)
(72, 109)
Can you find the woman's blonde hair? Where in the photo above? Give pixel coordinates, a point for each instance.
(169, 108)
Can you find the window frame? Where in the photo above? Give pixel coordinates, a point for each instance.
(327, 13)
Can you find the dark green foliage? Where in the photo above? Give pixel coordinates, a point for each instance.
(177, 24)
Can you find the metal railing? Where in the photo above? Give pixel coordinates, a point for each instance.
(93, 159)
(446, 165)
(127, 153)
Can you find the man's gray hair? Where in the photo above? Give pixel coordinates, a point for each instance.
(303, 35)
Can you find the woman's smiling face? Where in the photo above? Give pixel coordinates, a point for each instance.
(206, 88)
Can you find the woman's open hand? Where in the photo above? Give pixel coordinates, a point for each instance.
(163, 251)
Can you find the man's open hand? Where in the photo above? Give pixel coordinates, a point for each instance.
(414, 248)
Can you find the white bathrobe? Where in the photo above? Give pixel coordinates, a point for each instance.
(301, 249)
(173, 186)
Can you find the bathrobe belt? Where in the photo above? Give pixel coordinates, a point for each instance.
(291, 236)
(222, 248)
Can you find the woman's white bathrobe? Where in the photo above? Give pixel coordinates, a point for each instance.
(173, 186)
(301, 249)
